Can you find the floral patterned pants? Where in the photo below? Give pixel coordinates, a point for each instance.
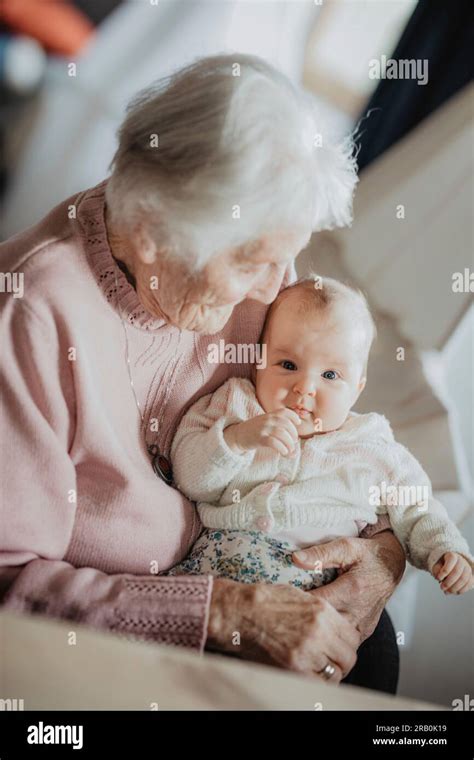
(249, 557)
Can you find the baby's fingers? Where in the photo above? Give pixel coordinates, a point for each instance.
(450, 560)
(277, 445)
(290, 414)
(286, 437)
(462, 585)
(453, 577)
(437, 568)
(290, 424)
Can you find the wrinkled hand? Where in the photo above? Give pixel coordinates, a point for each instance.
(277, 430)
(369, 571)
(279, 625)
(454, 573)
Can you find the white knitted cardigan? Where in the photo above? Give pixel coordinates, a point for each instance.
(357, 472)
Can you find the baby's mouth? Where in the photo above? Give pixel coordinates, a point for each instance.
(301, 412)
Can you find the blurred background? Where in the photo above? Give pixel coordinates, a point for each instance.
(67, 70)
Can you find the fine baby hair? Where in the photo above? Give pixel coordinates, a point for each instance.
(321, 294)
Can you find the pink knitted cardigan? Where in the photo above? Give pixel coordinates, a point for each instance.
(86, 526)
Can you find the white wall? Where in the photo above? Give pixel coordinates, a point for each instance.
(438, 666)
(458, 366)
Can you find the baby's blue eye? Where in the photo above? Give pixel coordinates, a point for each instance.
(329, 374)
(287, 362)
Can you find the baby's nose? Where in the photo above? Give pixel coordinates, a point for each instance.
(305, 389)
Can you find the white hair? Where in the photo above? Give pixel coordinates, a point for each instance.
(224, 151)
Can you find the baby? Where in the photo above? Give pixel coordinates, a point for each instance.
(281, 462)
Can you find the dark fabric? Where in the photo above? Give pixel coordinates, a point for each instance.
(130, 278)
(96, 10)
(442, 33)
(378, 660)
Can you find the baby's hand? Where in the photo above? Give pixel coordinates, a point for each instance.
(278, 430)
(454, 573)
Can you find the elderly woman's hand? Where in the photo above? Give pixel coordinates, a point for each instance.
(280, 625)
(371, 569)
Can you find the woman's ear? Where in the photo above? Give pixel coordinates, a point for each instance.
(144, 245)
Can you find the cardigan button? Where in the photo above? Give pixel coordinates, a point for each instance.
(264, 523)
(282, 479)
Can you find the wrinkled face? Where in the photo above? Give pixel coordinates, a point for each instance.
(204, 301)
(314, 366)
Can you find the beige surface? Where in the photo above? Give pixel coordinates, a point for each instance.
(102, 672)
(405, 267)
(399, 390)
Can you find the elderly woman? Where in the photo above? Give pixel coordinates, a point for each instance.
(220, 177)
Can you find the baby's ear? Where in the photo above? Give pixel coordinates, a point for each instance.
(362, 384)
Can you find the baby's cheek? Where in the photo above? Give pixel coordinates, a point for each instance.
(268, 391)
(279, 391)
